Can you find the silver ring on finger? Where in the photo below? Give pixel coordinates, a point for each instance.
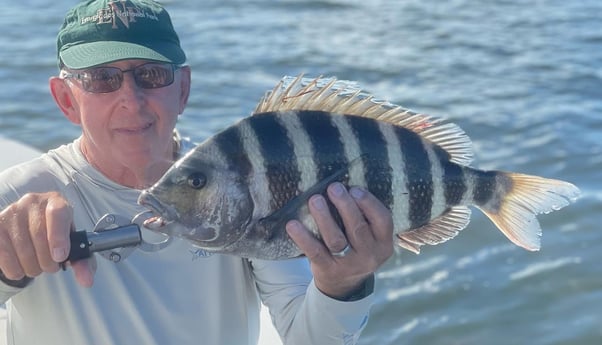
(343, 252)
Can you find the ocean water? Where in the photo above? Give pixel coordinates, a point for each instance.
(522, 78)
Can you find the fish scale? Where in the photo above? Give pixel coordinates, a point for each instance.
(302, 152)
(230, 146)
(307, 133)
(258, 188)
(351, 149)
(279, 161)
(326, 142)
(484, 186)
(418, 176)
(453, 181)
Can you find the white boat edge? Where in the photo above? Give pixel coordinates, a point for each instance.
(15, 153)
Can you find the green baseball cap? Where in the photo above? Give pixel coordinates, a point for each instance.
(97, 32)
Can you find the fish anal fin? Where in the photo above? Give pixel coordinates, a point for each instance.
(439, 230)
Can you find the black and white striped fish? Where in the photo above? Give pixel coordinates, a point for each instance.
(235, 191)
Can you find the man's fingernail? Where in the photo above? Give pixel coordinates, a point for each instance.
(319, 202)
(59, 254)
(357, 193)
(293, 226)
(337, 189)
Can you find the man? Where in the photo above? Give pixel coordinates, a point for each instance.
(123, 82)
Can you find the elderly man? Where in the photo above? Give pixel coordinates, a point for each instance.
(123, 81)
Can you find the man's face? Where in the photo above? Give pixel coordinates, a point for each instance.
(131, 128)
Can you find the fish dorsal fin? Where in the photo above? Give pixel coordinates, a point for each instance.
(439, 230)
(346, 97)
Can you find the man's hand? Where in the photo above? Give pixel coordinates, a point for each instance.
(369, 234)
(34, 238)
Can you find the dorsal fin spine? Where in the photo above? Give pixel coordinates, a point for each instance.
(345, 97)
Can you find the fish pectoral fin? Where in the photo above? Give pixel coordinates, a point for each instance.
(279, 217)
(439, 230)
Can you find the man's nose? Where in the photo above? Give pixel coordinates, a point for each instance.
(130, 92)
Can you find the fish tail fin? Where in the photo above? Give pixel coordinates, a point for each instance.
(525, 197)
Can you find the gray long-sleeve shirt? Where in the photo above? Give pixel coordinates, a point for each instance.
(178, 295)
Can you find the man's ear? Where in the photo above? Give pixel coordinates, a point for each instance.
(63, 97)
(184, 87)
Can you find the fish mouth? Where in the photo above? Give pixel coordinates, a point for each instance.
(165, 220)
(163, 215)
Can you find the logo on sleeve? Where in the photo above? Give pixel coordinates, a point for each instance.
(198, 253)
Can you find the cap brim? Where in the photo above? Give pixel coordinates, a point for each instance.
(87, 55)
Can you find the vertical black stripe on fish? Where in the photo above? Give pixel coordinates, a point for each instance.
(419, 176)
(377, 168)
(328, 149)
(279, 158)
(484, 189)
(231, 146)
(454, 182)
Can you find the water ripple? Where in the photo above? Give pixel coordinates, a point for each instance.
(543, 267)
(522, 78)
(430, 285)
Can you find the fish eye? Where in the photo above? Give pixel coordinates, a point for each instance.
(197, 180)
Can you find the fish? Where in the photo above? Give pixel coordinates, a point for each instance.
(234, 192)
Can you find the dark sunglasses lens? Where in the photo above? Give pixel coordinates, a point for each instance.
(102, 79)
(152, 76)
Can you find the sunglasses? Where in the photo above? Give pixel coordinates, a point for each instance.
(108, 79)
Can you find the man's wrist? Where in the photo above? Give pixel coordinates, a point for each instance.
(365, 289)
(21, 283)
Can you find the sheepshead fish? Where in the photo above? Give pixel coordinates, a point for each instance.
(235, 191)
